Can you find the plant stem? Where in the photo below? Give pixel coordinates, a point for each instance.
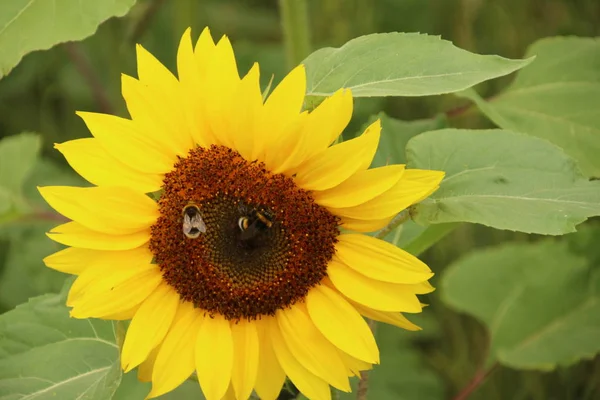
(296, 30)
(475, 382)
(394, 223)
(85, 69)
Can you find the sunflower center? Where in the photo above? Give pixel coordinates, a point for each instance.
(237, 240)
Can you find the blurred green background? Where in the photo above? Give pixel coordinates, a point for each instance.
(43, 92)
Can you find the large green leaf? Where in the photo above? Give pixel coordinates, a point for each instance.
(556, 98)
(540, 302)
(133, 389)
(396, 133)
(29, 25)
(45, 354)
(401, 64)
(502, 179)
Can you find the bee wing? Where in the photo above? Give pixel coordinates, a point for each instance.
(198, 222)
(187, 224)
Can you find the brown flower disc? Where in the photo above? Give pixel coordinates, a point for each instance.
(230, 270)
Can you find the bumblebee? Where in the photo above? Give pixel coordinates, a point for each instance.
(193, 224)
(254, 222)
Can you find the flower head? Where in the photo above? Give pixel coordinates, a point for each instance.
(238, 272)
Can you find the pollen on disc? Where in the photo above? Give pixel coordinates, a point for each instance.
(223, 271)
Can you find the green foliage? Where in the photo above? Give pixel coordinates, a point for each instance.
(29, 25)
(401, 64)
(23, 243)
(17, 157)
(133, 389)
(540, 302)
(24, 275)
(555, 98)
(45, 354)
(503, 179)
(396, 133)
(401, 374)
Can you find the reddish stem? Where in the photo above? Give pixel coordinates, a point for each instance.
(455, 112)
(475, 382)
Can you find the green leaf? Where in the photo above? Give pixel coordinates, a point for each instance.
(29, 25)
(504, 180)
(45, 354)
(396, 133)
(133, 389)
(540, 303)
(401, 64)
(555, 98)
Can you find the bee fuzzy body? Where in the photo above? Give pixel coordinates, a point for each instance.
(253, 222)
(193, 224)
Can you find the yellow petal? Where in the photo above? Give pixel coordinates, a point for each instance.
(338, 163)
(103, 276)
(380, 260)
(214, 356)
(74, 261)
(70, 260)
(360, 187)
(221, 68)
(307, 383)
(285, 147)
(121, 297)
(353, 364)
(158, 114)
(230, 394)
(123, 315)
(113, 210)
(89, 159)
(245, 362)
(123, 139)
(175, 361)
(321, 128)
(270, 377)
(204, 48)
(156, 104)
(339, 322)
(368, 225)
(76, 235)
(152, 72)
(191, 75)
(247, 99)
(392, 318)
(281, 109)
(406, 192)
(149, 325)
(311, 348)
(146, 368)
(379, 295)
(425, 177)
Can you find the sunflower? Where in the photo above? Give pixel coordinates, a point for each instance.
(230, 230)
